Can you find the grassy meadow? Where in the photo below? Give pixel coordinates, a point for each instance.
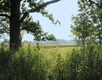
(51, 63)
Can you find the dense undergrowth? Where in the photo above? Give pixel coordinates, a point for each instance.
(51, 64)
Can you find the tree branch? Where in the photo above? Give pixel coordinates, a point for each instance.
(24, 16)
(37, 9)
(5, 15)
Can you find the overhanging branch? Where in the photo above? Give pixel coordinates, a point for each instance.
(42, 6)
(37, 9)
(5, 15)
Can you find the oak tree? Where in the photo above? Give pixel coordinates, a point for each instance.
(16, 12)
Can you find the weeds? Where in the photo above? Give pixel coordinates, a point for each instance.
(51, 64)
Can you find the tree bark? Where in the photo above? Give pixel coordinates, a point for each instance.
(15, 39)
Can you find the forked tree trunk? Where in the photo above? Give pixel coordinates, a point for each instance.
(15, 39)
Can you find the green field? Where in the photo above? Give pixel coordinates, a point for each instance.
(60, 63)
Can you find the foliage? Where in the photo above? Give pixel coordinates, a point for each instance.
(82, 27)
(84, 64)
(4, 21)
(23, 65)
(51, 37)
(51, 64)
(87, 24)
(15, 16)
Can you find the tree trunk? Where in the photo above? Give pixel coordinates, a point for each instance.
(15, 39)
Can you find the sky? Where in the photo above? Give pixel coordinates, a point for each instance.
(62, 11)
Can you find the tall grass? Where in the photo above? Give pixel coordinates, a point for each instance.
(85, 64)
(51, 64)
(26, 64)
